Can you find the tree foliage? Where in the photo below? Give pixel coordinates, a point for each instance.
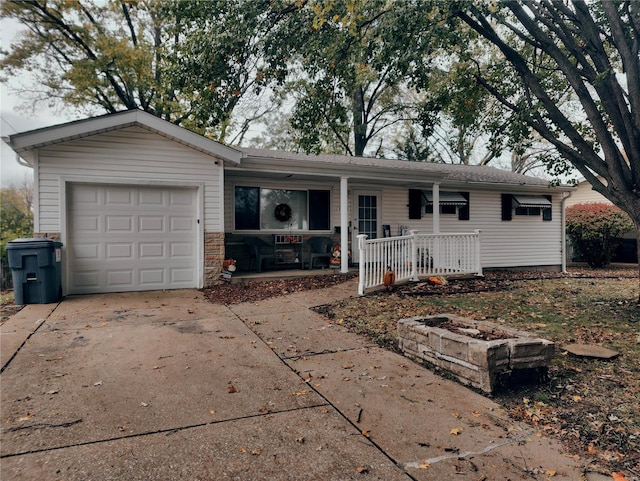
(16, 219)
(188, 62)
(353, 69)
(570, 70)
(595, 231)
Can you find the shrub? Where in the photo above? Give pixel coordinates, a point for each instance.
(595, 231)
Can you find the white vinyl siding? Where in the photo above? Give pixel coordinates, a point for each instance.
(133, 155)
(523, 241)
(585, 194)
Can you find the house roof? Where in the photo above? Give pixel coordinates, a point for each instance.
(273, 162)
(24, 143)
(385, 169)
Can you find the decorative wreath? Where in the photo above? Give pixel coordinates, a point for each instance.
(282, 212)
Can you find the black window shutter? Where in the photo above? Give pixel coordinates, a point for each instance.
(546, 212)
(463, 210)
(415, 204)
(506, 206)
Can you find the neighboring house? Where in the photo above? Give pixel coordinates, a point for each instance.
(141, 204)
(584, 194)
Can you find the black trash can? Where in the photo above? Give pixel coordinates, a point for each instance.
(36, 270)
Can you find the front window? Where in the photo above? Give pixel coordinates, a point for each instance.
(281, 209)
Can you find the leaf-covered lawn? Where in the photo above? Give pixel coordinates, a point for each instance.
(592, 405)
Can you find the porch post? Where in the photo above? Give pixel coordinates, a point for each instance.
(344, 225)
(436, 225)
(436, 208)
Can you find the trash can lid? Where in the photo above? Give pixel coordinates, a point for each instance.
(35, 242)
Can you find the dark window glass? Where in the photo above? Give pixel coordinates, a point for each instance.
(319, 210)
(247, 208)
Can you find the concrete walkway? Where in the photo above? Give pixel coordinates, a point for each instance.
(167, 386)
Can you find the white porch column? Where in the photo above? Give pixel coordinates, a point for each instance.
(436, 208)
(344, 224)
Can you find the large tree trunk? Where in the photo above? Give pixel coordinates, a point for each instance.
(636, 220)
(359, 124)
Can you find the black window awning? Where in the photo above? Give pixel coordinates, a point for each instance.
(531, 201)
(448, 198)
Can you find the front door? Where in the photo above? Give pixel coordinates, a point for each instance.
(366, 218)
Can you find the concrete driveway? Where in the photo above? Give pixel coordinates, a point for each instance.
(167, 386)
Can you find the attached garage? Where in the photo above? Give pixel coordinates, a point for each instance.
(135, 200)
(131, 238)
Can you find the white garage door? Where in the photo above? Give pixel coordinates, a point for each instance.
(131, 238)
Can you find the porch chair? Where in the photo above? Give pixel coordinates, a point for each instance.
(319, 248)
(259, 250)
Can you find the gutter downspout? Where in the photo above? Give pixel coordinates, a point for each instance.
(563, 233)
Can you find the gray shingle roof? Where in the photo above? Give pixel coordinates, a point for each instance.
(446, 172)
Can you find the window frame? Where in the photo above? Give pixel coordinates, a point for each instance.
(309, 195)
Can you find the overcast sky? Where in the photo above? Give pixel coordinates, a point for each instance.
(14, 120)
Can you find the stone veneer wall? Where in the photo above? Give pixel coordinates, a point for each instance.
(213, 257)
(47, 235)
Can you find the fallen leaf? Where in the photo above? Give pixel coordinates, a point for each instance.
(256, 451)
(455, 431)
(346, 378)
(455, 414)
(424, 464)
(550, 472)
(26, 418)
(231, 389)
(228, 336)
(300, 440)
(212, 411)
(618, 476)
(301, 392)
(347, 366)
(475, 414)
(362, 470)
(366, 433)
(577, 398)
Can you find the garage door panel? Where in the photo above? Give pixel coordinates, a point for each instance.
(155, 198)
(180, 276)
(152, 277)
(181, 224)
(122, 278)
(86, 280)
(87, 223)
(118, 196)
(180, 199)
(118, 223)
(119, 250)
(151, 223)
(85, 251)
(181, 249)
(129, 238)
(148, 250)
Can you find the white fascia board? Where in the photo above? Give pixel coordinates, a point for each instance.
(34, 139)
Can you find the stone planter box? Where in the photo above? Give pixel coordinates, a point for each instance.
(480, 363)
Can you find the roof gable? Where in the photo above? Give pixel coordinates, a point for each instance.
(25, 142)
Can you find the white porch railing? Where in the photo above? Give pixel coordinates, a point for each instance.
(417, 255)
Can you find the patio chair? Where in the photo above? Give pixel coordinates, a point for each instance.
(259, 250)
(319, 248)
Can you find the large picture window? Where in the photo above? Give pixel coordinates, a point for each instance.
(281, 209)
